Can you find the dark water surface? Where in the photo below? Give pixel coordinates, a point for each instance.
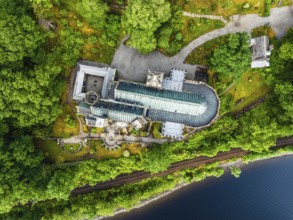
(264, 191)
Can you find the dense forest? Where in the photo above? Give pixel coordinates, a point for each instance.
(34, 66)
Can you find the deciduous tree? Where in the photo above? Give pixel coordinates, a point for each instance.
(232, 59)
(142, 19)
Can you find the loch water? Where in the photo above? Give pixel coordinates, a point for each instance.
(264, 191)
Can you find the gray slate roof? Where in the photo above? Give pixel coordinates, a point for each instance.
(260, 47)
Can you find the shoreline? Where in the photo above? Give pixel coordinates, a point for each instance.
(238, 162)
(146, 202)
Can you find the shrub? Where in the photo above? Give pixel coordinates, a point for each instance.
(134, 132)
(126, 153)
(57, 2)
(70, 121)
(267, 8)
(246, 5)
(235, 171)
(79, 24)
(64, 21)
(63, 13)
(192, 26)
(92, 39)
(226, 103)
(120, 2)
(94, 50)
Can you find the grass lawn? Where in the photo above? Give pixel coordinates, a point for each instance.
(195, 27)
(54, 153)
(225, 8)
(71, 148)
(203, 53)
(247, 90)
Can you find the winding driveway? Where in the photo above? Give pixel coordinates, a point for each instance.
(131, 65)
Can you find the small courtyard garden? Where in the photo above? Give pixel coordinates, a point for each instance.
(92, 149)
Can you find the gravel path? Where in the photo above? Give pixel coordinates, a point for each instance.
(134, 66)
(213, 17)
(127, 138)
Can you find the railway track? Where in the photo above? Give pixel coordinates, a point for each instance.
(187, 164)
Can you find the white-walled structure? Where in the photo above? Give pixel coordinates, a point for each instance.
(106, 74)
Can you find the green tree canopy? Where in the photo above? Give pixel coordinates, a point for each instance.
(19, 38)
(94, 11)
(32, 97)
(286, 51)
(141, 19)
(232, 59)
(21, 177)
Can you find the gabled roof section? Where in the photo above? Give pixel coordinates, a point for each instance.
(165, 94)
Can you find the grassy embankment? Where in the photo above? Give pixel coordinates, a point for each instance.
(248, 89)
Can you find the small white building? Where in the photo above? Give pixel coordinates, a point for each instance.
(173, 130)
(139, 123)
(261, 51)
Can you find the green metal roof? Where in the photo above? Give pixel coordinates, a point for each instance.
(121, 107)
(166, 94)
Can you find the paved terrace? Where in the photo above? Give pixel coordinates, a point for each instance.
(122, 138)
